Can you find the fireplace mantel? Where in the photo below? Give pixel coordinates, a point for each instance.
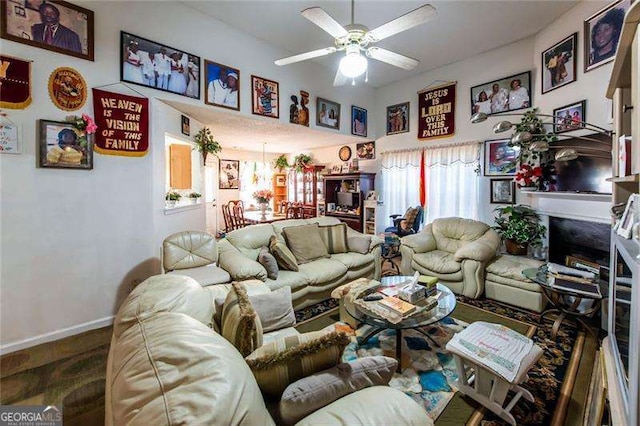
(569, 195)
(570, 205)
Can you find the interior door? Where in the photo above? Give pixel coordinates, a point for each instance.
(211, 194)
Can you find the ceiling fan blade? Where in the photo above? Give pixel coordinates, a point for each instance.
(322, 19)
(305, 56)
(409, 20)
(340, 78)
(392, 58)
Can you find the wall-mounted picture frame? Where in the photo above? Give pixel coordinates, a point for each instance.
(229, 174)
(185, 125)
(500, 159)
(158, 66)
(601, 34)
(398, 118)
(625, 226)
(281, 180)
(366, 150)
(502, 191)
(34, 25)
(559, 64)
(62, 146)
(222, 85)
(505, 94)
(10, 137)
(265, 97)
(327, 113)
(570, 117)
(358, 121)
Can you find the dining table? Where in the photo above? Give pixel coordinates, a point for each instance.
(255, 216)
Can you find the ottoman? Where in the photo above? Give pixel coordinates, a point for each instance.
(504, 282)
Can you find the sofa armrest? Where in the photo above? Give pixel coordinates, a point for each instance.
(482, 250)
(238, 265)
(421, 242)
(374, 242)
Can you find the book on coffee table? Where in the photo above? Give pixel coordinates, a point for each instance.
(397, 305)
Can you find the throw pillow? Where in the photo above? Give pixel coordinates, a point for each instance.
(282, 362)
(409, 218)
(266, 259)
(240, 324)
(285, 259)
(359, 243)
(335, 238)
(305, 242)
(311, 393)
(275, 309)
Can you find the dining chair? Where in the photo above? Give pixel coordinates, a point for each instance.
(294, 212)
(236, 210)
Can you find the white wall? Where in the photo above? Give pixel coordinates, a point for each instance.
(74, 241)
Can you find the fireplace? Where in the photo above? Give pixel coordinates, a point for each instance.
(571, 239)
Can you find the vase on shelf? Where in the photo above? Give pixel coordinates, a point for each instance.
(263, 211)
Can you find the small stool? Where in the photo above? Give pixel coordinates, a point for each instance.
(489, 388)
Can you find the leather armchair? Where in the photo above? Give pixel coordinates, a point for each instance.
(455, 250)
(194, 254)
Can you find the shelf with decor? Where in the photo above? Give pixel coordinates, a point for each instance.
(305, 187)
(344, 193)
(369, 217)
(279, 190)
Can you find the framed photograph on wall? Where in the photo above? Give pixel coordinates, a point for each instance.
(281, 180)
(35, 25)
(62, 146)
(502, 191)
(185, 125)
(265, 97)
(601, 34)
(366, 150)
(398, 118)
(327, 113)
(147, 63)
(229, 174)
(222, 85)
(559, 64)
(570, 117)
(500, 159)
(505, 94)
(358, 121)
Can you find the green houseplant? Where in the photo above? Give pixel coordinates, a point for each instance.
(206, 143)
(172, 197)
(193, 197)
(301, 162)
(281, 163)
(520, 227)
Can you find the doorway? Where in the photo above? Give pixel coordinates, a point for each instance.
(211, 194)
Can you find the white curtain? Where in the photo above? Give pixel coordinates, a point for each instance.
(254, 176)
(452, 181)
(400, 182)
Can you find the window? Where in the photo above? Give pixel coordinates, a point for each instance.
(183, 168)
(254, 176)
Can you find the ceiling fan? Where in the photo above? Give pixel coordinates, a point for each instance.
(357, 39)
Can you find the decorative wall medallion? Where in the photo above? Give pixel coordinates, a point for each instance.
(344, 153)
(67, 89)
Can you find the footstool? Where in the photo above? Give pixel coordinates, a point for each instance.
(504, 282)
(481, 382)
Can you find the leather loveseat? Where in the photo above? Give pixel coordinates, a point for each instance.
(455, 250)
(313, 283)
(166, 366)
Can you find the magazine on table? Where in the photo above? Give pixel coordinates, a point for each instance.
(589, 289)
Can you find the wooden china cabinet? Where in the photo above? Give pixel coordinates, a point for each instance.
(305, 187)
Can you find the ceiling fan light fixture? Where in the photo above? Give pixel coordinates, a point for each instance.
(353, 64)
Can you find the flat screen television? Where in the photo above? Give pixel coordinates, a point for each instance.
(347, 199)
(585, 173)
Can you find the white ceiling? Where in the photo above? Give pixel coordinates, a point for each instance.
(460, 29)
(238, 131)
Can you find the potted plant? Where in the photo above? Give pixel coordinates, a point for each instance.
(301, 162)
(193, 197)
(171, 198)
(281, 163)
(206, 143)
(519, 226)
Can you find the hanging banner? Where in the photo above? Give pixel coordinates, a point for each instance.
(123, 124)
(437, 107)
(15, 83)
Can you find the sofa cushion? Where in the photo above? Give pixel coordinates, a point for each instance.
(454, 232)
(240, 324)
(286, 260)
(274, 335)
(522, 284)
(252, 286)
(511, 267)
(305, 242)
(294, 280)
(359, 243)
(188, 249)
(322, 271)
(313, 392)
(353, 260)
(335, 238)
(266, 259)
(437, 260)
(205, 275)
(284, 361)
(410, 217)
(250, 239)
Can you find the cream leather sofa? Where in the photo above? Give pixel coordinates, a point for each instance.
(454, 250)
(315, 280)
(167, 367)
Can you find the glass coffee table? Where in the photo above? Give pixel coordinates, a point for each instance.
(446, 305)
